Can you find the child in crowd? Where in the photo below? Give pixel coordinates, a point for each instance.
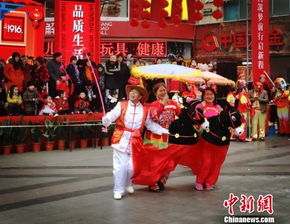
(49, 107)
(82, 104)
(61, 103)
(112, 99)
(14, 102)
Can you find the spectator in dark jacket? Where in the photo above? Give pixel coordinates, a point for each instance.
(39, 72)
(75, 75)
(112, 80)
(55, 68)
(30, 99)
(124, 75)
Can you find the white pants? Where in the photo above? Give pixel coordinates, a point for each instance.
(122, 171)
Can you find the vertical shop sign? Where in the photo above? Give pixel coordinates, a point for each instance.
(260, 38)
(77, 28)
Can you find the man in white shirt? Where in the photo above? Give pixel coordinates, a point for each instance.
(130, 116)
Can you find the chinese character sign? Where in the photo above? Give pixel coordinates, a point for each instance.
(13, 29)
(138, 49)
(260, 38)
(77, 28)
(248, 204)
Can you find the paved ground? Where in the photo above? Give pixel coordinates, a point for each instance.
(76, 187)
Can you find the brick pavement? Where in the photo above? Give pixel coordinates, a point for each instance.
(76, 187)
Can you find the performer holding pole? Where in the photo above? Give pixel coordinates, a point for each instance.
(130, 116)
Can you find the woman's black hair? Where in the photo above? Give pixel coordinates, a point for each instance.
(11, 90)
(16, 64)
(213, 91)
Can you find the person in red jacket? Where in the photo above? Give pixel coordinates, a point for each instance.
(64, 84)
(14, 72)
(244, 105)
(61, 103)
(82, 104)
(281, 101)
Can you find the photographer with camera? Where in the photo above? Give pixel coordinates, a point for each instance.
(30, 100)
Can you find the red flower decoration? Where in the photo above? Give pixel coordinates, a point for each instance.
(217, 14)
(197, 16)
(145, 24)
(199, 5)
(134, 22)
(218, 3)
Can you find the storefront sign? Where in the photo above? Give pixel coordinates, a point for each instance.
(77, 28)
(137, 49)
(260, 38)
(13, 30)
(49, 29)
(237, 39)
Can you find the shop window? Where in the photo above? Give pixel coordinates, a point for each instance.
(234, 10)
(280, 7)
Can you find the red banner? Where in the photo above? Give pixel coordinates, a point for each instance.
(77, 28)
(260, 38)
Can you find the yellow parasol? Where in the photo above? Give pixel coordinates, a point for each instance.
(165, 71)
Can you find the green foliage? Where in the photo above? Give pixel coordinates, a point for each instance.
(50, 129)
(62, 130)
(19, 133)
(36, 133)
(6, 133)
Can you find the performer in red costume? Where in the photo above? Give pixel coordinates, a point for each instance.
(130, 117)
(162, 111)
(281, 101)
(244, 105)
(215, 143)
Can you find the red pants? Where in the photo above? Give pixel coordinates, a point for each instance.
(213, 158)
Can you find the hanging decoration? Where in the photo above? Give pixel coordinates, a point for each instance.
(35, 15)
(218, 13)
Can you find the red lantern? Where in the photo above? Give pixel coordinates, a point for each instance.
(35, 15)
(134, 22)
(162, 23)
(146, 4)
(197, 16)
(177, 1)
(199, 5)
(134, 14)
(145, 14)
(217, 14)
(145, 24)
(163, 3)
(163, 13)
(176, 19)
(218, 3)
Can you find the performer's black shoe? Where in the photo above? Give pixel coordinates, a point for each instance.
(161, 186)
(154, 188)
